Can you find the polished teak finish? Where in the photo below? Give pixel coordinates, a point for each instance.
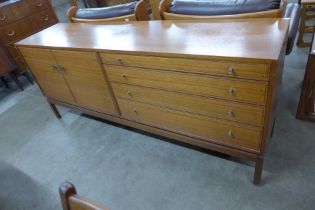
(189, 81)
(21, 18)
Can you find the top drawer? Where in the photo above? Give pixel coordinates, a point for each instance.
(6, 16)
(229, 69)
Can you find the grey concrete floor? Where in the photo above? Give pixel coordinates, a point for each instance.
(126, 169)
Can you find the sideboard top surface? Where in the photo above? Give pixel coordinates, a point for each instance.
(260, 39)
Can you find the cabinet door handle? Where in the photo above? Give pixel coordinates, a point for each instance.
(54, 67)
(3, 18)
(11, 33)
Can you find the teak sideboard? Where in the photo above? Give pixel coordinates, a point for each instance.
(214, 85)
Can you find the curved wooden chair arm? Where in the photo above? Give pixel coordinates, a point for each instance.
(70, 200)
(164, 7)
(71, 13)
(142, 10)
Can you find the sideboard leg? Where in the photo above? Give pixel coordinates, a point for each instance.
(258, 170)
(55, 110)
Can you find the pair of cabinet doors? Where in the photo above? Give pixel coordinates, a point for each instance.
(75, 78)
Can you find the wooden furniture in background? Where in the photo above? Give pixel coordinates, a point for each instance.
(175, 79)
(308, 14)
(306, 108)
(137, 10)
(19, 19)
(70, 200)
(226, 9)
(7, 67)
(104, 3)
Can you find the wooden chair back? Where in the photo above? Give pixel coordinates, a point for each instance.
(141, 14)
(70, 200)
(165, 15)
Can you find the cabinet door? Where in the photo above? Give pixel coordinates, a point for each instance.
(86, 80)
(51, 81)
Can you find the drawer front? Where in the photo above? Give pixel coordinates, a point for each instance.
(194, 104)
(11, 32)
(238, 90)
(20, 9)
(6, 16)
(219, 131)
(43, 20)
(37, 5)
(238, 70)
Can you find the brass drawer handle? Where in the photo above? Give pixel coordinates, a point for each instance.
(230, 71)
(129, 94)
(231, 113)
(39, 4)
(58, 68)
(3, 18)
(231, 134)
(11, 33)
(46, 18)
(124, 76)
(119, 61)
(231, 91)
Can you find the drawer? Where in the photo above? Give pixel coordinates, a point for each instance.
(6, 16)
(11, 32)
(238, 70)
(20, 9)
(200, 105)
(37, 5)
(208, 129)
(43, 20)
(231, 89)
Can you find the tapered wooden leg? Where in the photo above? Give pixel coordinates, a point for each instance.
(4, 81)
(55, 110)
(258, 170)
(16, 80)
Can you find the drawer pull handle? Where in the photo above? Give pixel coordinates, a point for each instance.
(231, 113)
(124, 76)
(11, 33)
(58, 68)
(54, 67)
(230, 71)
(39, 4)
(46, 18)
(119, 61)
(3, 18)
(129, 94)
(231, 134)
(135, 111)
(230, 91)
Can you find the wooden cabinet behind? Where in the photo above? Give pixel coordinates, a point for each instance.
(75, 78)
(19, 19)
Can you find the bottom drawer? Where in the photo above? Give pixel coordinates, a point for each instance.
(214, 130)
